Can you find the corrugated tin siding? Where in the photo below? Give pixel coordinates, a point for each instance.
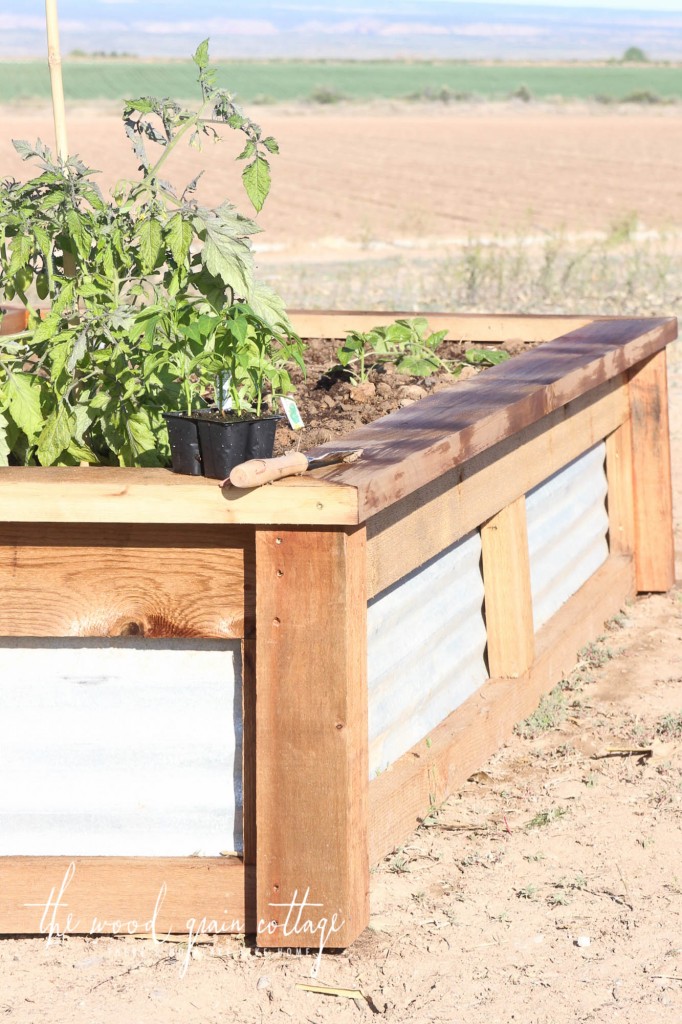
(426, 645)
(567, 531)
(118, 748)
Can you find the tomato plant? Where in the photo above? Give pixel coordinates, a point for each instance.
(150, 294)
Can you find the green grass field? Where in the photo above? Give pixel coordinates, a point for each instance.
(326, 81)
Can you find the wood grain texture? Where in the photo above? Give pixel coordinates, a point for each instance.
(311, 733)
(508, 601)
(418, 527)
(412, 447)
(62, 580)
(124, 895)
(400, 797)
(13, 319)
(621, 494)
(36, 494)
(654, 544)
(469, 327)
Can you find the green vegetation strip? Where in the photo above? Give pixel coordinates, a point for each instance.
(327, 82)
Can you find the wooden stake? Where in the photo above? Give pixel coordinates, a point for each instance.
(54, 62)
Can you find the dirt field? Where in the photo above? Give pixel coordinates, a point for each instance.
(549, 891)
(389, 173)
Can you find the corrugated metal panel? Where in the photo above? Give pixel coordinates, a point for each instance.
(567, 531)
(426, 644)
(120, 748)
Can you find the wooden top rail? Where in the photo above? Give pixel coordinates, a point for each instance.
(402, 452)
(410, 448)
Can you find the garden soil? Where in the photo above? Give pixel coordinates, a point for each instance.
(547, 891)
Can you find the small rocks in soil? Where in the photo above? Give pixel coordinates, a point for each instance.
(332, 404)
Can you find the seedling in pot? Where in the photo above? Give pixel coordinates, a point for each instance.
(250, 361)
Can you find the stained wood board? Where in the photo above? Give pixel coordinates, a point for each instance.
(125, 895)
(61, 580)
(419, 526)
(415, 445)
(400, 797)
(311, 734)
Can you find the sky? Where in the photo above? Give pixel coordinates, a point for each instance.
(535, 29)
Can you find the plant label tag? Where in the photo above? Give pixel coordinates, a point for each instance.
(222, 389)
(292, 414)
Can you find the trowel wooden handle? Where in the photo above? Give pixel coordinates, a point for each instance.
(262, 471)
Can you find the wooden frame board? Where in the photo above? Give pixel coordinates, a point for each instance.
(125, 896)
(125, 580)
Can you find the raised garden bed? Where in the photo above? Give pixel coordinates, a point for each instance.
(284, 680)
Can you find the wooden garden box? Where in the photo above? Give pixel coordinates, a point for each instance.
(215, 702)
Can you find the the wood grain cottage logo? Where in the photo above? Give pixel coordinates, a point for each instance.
(303, 923)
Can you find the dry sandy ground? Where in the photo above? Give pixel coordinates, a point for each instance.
(413, 175)
(477, 919)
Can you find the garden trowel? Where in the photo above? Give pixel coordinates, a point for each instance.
(264, 471)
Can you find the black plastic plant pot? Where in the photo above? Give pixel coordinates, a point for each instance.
(184, 443)
(226, 443)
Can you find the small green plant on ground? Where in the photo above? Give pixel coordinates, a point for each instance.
(528, 892)
(399, 863)
(596, 654)
(558, 899)
(549, 714)
(564, 886)
(669, 726)
(151, 294)
(544, 818)
(409, 348)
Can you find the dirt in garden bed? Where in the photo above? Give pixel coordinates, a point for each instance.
(332, 404)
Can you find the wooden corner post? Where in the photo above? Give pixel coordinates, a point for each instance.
(312, 861)
(651, 473)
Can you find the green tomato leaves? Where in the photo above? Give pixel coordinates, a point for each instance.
(485, 356)
(151, 239)
(256, 178)
(149, 294)
(179, 235)
(226, 252)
